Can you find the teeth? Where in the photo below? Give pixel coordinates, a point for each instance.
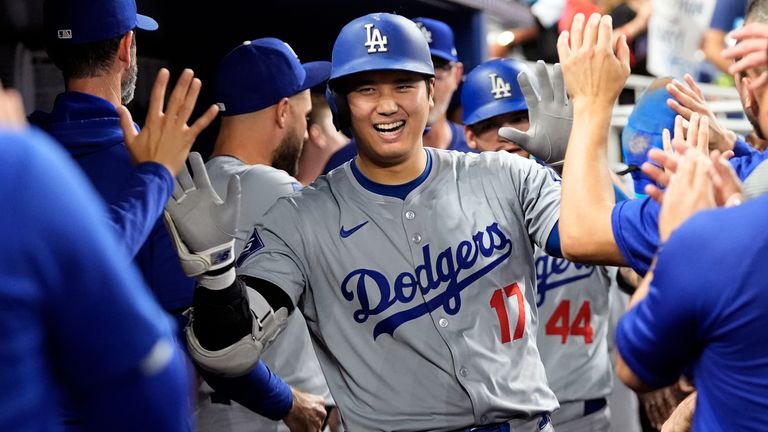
(389, 127)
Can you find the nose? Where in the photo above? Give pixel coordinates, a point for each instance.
(386, 104)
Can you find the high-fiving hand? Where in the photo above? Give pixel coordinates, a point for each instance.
(166, 138)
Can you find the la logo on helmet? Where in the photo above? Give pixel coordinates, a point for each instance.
(375, 41)
(499, 88)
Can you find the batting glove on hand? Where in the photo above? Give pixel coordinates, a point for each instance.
(551, 116)
(202, 226)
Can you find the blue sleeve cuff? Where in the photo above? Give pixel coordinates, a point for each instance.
(158, 170)
(553, 242)
(741, 148)
(261, 391)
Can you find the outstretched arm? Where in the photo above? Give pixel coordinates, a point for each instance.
(594, 76)
(159, 151)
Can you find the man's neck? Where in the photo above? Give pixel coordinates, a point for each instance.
(440, 134)
(245, 140)
(411, 168)
(106, 87)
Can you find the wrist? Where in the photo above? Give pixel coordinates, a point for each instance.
(219, 279)
(592, 106)
(729, 140)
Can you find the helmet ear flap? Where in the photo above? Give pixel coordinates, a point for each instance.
(339, 108)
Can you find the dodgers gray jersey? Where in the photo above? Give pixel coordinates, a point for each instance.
(423, 309)
(573, 304)
(292, 355)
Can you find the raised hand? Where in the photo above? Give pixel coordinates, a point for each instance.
(690, 190)
(750, 51)
(689, 100)
(202, 226)
(166, 138)
(696, 139)
(550, 114)
(594, 68)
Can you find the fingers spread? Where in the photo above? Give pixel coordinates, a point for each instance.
(545, 84)
(204, 120)
(531, 99)
(563, 49)
(157, 98)
(189, 102)
(179, 93)
(577, 32)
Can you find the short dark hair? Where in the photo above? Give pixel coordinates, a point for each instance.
(86, 60)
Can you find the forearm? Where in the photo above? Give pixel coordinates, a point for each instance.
(713, 45)
(642, 289)
(261, 391)
(137, 209)
(588, 197)
(234, 320)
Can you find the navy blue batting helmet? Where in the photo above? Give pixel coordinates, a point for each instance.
(491, 89)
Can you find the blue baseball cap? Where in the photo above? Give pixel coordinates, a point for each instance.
(86, 21)
(258, 73)
(439, 37)
(643, 132)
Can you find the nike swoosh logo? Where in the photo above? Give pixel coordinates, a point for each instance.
(346, 233)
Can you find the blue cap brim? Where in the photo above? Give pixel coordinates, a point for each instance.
(317, 72)
(443, 55)
(146, 23)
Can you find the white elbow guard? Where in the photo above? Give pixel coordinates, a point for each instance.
(240, 357)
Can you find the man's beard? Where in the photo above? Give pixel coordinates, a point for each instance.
(128, 84)
(286, 156)
(438, 111)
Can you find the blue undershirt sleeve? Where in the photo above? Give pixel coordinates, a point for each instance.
(553, 242)
(261, 391)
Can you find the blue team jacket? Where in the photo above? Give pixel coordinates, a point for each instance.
(89, 128)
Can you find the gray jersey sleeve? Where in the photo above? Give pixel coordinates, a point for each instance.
(538, 191)
(275, 251)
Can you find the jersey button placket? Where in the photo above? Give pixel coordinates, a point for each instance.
(443, 322)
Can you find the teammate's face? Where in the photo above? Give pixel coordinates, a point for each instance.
(389, 112)
(447, 77)
(286, 155)
(484, 135)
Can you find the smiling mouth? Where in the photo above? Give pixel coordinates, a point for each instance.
(389, 128)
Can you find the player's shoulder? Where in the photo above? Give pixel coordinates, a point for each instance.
(258, 175)
(485, 162)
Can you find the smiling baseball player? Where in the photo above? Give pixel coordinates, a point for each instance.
(418, 325)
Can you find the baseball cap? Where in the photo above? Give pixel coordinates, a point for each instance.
(643, 132)
(86, 21)
(260, 72)
(439, 37)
